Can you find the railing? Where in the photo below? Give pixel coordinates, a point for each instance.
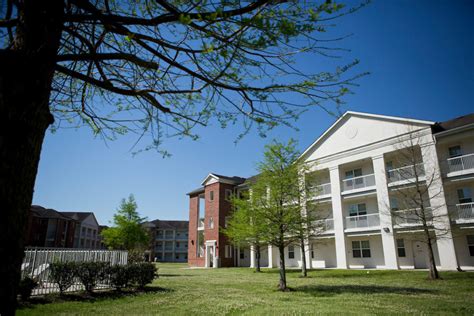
(464, 211)
(461, 163)
(358, 182)
(37, 260)
(322, 189)
(363, 221)
(412, 217)
(405, 173)
(325, 224)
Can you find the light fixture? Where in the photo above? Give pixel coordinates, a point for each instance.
(386, 229)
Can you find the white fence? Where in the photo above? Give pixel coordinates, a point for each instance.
(37, 260)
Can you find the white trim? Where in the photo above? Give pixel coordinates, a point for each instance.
(353, 113)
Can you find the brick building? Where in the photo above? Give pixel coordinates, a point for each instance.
(49, 228)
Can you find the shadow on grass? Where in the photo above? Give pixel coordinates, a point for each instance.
(174, 275)
(85, 297)
(329, 290)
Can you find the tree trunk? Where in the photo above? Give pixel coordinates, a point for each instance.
(433, 273)
(257, 255)
(282, 283)
(25, 86)
(304, 272)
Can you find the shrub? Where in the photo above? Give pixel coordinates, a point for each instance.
(91, 273)
(119, 276)
(63, 274)
(142, 273)
(26, 286)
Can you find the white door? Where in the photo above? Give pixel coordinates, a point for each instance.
(419, 255)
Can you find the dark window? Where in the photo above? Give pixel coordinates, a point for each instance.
(242, 254)
(361, 249)
(211, 196)
(291, 252)
(470, 244)
(401, 248)
(455, 151)
(464, 195)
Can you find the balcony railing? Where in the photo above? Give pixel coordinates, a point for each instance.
(363, 221)
(464, 211)
(358, 182)
(405, 173)
(461, 163)
(322, 189)
(412, 217)
(325, 224)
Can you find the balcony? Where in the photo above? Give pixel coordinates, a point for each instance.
(463, 213)
(361, 222)
(406, 173)
(325, 225)
(460, 165)
(358, 183)
(320, 191)
(412, 217)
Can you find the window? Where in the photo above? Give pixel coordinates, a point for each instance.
(177, 244)
(357, 209)
(465, 195)
(242, 254)
(211, 196)
(177, 257)
(228, 194)
(394, 204)
(211, 223)
(291, 252)
(401, 248)
(389, 168)
(83, 230)
(361, 249)
(228, 251)
(312, 251)
(470, 244)
(455, 151)
(226, 221)
(354, 174)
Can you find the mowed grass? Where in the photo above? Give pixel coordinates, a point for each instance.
(182, 291)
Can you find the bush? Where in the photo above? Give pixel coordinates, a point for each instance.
(142, 273)
(119, 276)
(63, 274)
(91, 273)
(26, 286)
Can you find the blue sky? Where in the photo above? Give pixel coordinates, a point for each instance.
(421, 58)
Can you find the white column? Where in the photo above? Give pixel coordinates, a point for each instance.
(386, 226)
(252, 256)
(441, 224)
(270, 256)
(338, 217)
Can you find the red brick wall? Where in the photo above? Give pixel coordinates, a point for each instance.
(193, 260)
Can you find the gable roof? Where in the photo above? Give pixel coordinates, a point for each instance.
(80, 216)
(43, 212)
(223, 179)
(347, 114)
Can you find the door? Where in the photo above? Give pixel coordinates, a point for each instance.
(419, 255)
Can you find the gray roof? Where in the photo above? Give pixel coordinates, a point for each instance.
(80, 216)
(196, 191)
(170, 224)
(236, 179)
(454, 123)
(42, 212)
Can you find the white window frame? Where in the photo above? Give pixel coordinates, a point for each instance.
(401, 248)
(211, 223)
(361, 246)
(291, 249)
(357, 208)
(211, 195)
(228, 251)
(226, 221)
(227, 194)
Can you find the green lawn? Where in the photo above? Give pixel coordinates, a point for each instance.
(181, 291)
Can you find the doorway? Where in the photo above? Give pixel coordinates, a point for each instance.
(419, 255)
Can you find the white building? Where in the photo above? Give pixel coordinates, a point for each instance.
(359, 171)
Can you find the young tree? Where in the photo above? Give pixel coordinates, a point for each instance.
(139, 66)
(414, 202)
(274, 193)
(245, 225)
(128, 232)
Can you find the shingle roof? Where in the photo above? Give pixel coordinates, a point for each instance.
(40, 211)
(453, 123)
(196, 191)
(170, 224)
